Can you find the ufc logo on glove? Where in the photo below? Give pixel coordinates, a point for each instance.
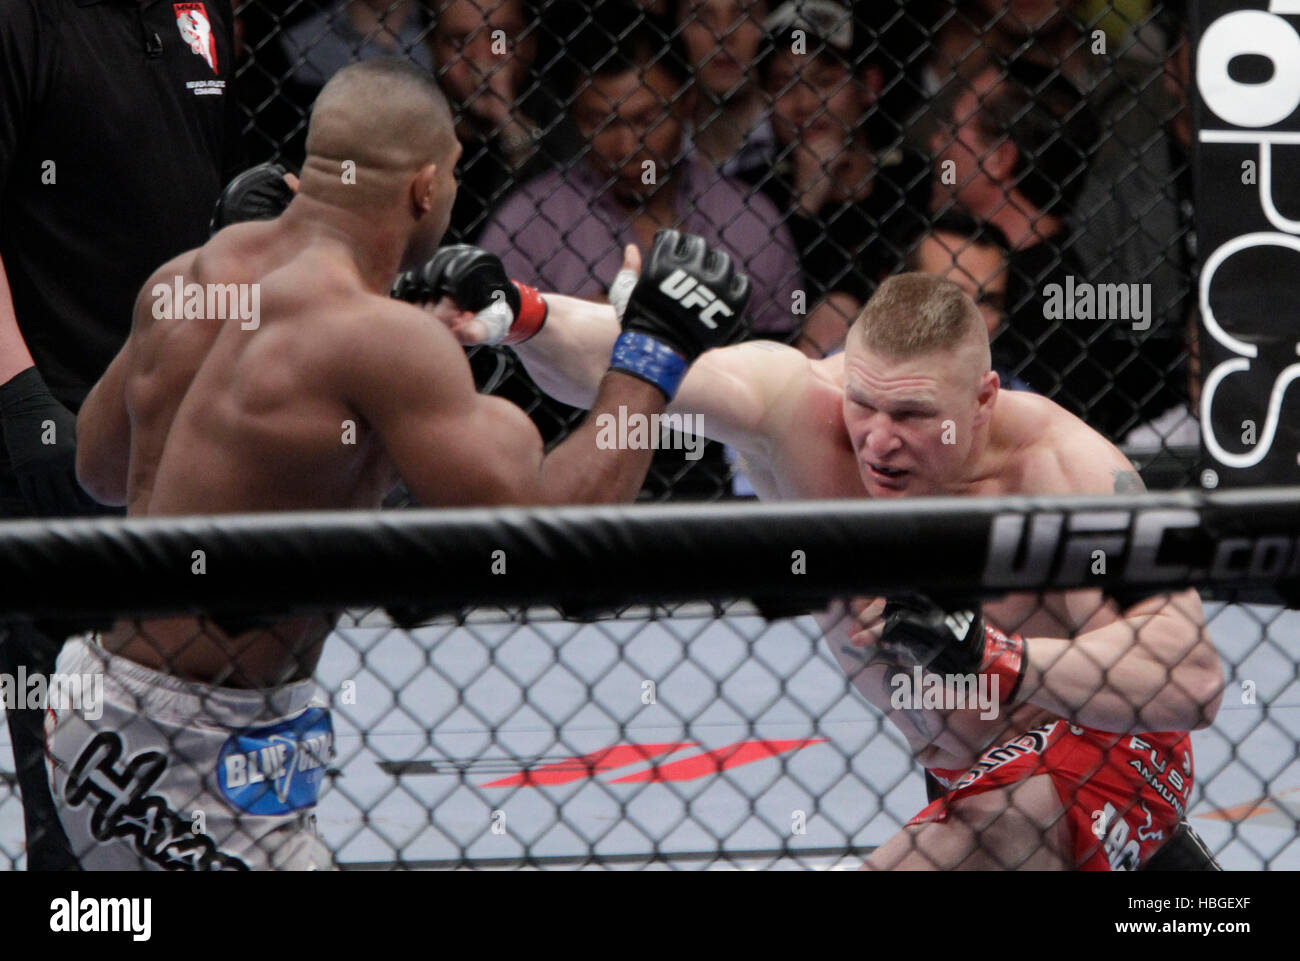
(689, 292)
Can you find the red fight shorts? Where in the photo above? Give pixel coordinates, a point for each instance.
(1123, 794)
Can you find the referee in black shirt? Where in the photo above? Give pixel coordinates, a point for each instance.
(118, 128)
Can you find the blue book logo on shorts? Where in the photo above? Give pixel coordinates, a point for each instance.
(278, 768)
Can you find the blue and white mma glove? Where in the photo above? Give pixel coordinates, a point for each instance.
(688, 299)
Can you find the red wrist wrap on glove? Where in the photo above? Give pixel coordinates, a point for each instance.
(532, 314)
(1004, 658)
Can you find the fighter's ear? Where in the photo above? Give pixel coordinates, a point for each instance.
(423, 190)
(990, 383)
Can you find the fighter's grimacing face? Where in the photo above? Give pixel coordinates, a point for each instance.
(911, 421)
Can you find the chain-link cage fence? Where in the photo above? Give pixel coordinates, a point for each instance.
(1036, 154)
(462, 721)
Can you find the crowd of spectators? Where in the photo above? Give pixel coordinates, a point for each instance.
(1016, 148)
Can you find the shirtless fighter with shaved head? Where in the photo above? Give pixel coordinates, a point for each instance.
(325, 399)
(1087, 763)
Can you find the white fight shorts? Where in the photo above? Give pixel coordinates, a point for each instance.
(167, 774)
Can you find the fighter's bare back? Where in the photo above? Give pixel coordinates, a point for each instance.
(228, 416)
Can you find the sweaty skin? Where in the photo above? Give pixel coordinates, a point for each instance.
(227, 420)
(799, 438)
(337, 392)
(1033, 447)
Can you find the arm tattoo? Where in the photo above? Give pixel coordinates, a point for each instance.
(1129, 482)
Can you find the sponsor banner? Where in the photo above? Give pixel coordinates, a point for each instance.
(1133, 551)
(1246, 108)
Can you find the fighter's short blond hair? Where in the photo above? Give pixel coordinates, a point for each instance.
(914, 314)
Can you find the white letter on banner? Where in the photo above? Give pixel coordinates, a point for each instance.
(1249, 104)
(1245, 350)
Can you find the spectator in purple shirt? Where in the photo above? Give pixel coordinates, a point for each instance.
(565, 231)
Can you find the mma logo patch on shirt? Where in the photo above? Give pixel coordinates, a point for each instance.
(196, 30)
(277, 769)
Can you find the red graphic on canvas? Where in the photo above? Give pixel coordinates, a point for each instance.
(702, 764)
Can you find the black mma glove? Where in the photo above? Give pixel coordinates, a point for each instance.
(259, 193)
(476, 280)
(40, 435)
(953, 641)
(688, 299)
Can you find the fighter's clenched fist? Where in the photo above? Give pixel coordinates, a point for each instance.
(506, 311)
(689, 299)
(953, 641)
(689, 296)
(259, 193)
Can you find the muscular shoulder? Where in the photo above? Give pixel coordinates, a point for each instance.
(804, 395)
(180, 266)
(243, 252)
(749, 394)
(370, 325)
(232, 257)
(229, 257)
(380, 341)
(775, 370)
(1060, 454)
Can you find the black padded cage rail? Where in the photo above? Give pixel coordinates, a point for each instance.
(477, 726)
(589, 558)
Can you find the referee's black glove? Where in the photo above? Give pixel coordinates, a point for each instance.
(40, 435)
